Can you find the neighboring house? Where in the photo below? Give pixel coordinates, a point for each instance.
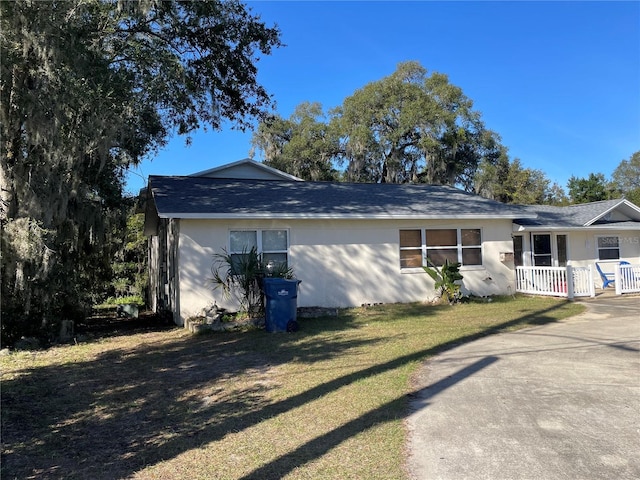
(606, 232)
(353, 244)
(570, 251)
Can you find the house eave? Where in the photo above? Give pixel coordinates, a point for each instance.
(547, 228)
(329, 216)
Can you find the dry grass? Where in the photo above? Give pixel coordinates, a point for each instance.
(326, 402)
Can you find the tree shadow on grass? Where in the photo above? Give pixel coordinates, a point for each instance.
(131, 408)
(108, 324)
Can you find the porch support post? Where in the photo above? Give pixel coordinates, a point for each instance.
(570, 287)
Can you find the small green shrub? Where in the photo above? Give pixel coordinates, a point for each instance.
(241, 276)
(130, 299)
(446, 278)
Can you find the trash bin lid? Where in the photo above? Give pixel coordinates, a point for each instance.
(280, 287)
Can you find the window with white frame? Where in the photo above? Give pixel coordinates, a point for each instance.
(462, 245)
(273, 245)
(542, 254)
(608, 248)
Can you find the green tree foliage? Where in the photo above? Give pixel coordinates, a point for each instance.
(304, 145)
(89, 88)
(411, 126)
(407, 127)
(130, 261)
(591, 189)
(626, 178)
(509, 182)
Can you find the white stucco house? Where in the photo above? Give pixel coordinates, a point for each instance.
(353, 244)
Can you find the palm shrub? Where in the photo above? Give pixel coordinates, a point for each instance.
(241, 276)
(446, 278)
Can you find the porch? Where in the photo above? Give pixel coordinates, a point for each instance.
(571, 282)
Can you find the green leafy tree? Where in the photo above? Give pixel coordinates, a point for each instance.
(509, 182)
(410, 127)
(491, 178)
(88, 89)
(556, 195)
(592, 189)
(304, 145)
(130, 261)
(626, 178)
(407, 127)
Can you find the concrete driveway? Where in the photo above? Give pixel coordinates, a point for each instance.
(560, 401)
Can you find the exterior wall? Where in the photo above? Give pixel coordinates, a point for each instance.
(584, 247)
(341, 263)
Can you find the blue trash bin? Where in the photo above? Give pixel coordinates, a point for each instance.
(282, 303)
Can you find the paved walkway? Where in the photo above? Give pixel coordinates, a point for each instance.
(560, 401)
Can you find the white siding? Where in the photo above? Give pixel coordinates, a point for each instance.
(341, 263)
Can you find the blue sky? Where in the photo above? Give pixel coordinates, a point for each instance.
(559, 81)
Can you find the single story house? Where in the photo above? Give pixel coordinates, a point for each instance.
(354, 244)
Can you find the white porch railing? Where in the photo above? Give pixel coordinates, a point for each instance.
(627, 278)
(566, 281)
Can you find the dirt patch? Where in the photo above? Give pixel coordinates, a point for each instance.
(109, 324)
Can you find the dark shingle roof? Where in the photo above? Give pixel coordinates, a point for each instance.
(572, 216)
(195, 197)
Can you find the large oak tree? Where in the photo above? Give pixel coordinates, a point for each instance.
(303, 145)
(89, 88)
(410, 126)
(413, 126)
(508, 181)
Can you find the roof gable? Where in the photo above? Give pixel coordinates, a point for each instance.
(622, 211)
(246, 168)
(619, 213)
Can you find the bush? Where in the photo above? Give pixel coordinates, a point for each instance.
(241, 276)
(446, 278)
(130, 299)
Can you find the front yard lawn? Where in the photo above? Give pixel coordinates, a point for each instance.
(327, 402)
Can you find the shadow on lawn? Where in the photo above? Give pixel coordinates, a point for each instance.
(129, 409)
(109, 324)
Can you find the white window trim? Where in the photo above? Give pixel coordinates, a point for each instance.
(529, 255)
(424, 248)
(598, 248)
(259, 239)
